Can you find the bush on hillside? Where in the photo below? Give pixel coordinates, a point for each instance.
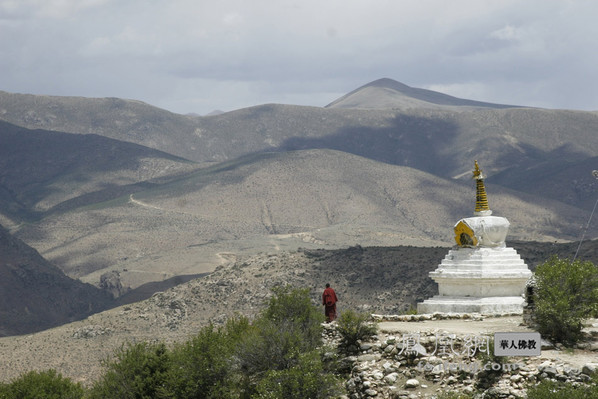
(566, 295)
(288, 328)
(353, 327)
(306, 379)
(202, 366)
(278, 355)
(293, 305)
(41, 385)
(138, 372)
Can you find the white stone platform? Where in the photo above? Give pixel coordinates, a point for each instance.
(461, 304)
(485, 280)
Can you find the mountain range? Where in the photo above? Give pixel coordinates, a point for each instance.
(119, 188)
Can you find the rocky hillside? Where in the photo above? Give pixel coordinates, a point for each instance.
(35, 295)
(262, 203)
(372, 279)
(42, 172)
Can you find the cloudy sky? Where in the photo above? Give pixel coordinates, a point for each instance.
(199, 55)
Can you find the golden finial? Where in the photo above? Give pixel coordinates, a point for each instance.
(481, 201)
(477, 173)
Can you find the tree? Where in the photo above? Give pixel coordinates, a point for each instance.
(278, 355)
(566, 295)
(41, 385)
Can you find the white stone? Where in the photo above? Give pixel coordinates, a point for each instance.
(388, 367)
(411, 383)
(391, 378)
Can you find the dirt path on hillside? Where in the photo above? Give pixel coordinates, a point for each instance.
(143, 204)
(488, 325)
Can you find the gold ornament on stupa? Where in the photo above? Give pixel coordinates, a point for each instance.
(465, 235)
(481, 199)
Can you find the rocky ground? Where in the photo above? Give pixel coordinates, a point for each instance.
(383, 367)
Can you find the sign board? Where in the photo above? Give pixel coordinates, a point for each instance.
(517, 344)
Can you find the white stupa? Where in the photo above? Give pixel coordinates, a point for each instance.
(481, 274)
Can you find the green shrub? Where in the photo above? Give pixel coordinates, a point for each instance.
(294, 305)
(138, 372)
(412, 310)
(289, 327)
(354, 327)
(271, 346)
(41, 385)
(566, 295)
(548, 389)
(307, 379)
(202, 366)
(279, 355)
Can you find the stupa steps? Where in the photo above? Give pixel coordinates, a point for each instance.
(481, 275)
(482, 266)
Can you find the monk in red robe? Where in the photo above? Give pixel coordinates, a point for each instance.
(329, 300)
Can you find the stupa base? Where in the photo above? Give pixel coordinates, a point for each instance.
(487, 305)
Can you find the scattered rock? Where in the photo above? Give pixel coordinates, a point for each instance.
(385, 373)
(590, 368)
(91, 331)
(411, 383)
(391, 378)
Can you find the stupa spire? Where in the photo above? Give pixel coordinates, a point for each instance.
(481, 199)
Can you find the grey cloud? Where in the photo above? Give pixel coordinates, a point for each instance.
(196, 56)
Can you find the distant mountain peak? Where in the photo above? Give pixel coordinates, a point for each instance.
(388, 83)
(387, 93)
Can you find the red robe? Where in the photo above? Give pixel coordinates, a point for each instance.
(329, 300)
